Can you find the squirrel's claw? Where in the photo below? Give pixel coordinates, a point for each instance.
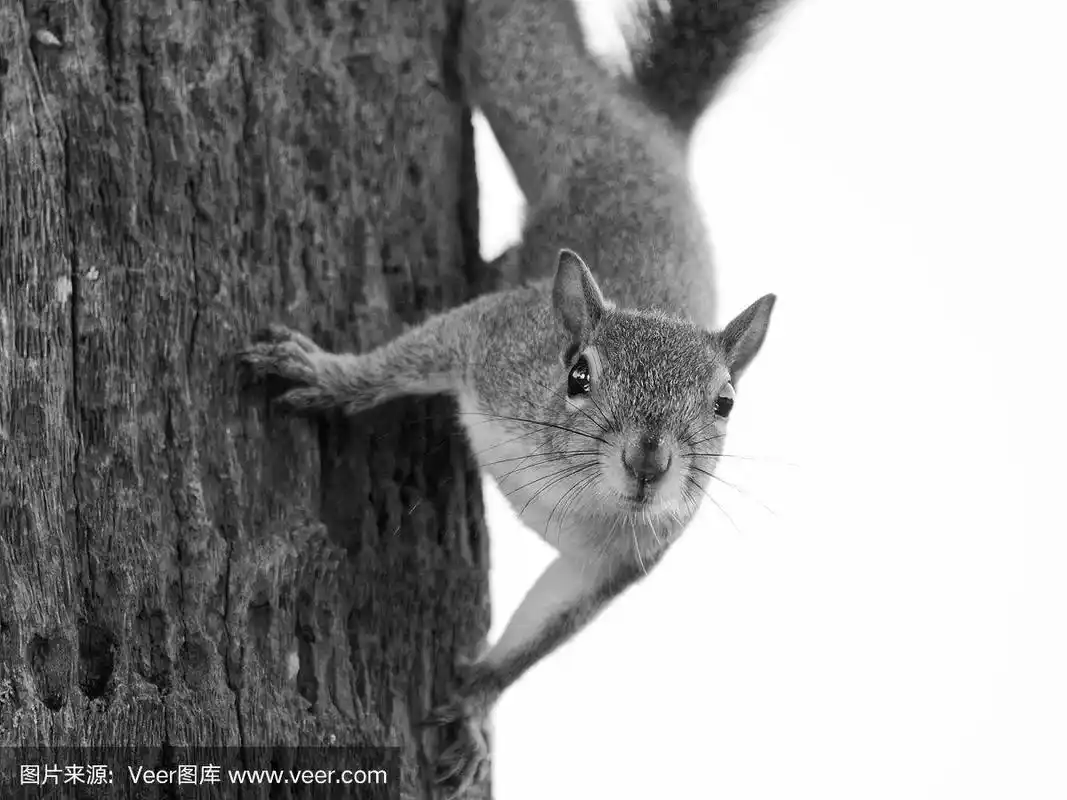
(462, 767)
(286, 360)
(304, 400)
(466, 761)
(290, 365)
(276, 334)
(282, 353)
(298, 375)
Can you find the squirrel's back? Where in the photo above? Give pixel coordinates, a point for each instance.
(603, 172)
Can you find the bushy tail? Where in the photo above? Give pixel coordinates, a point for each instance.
(682, 50)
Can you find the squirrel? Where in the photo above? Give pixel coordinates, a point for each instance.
(597, 398)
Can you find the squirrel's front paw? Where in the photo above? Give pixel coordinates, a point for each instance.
(465, 762)
(291, 365)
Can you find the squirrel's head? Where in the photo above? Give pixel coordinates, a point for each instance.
(654, 392)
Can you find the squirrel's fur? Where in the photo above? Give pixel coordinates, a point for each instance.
(597, 404)
(682, 51)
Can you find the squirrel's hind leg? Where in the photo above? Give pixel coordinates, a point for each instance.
(465, 723)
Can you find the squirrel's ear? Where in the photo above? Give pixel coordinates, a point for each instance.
(576, 296)
(741, 339)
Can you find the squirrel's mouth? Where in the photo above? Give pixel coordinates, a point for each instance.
(642, 497)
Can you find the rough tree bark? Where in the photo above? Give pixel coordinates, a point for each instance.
(177, 564)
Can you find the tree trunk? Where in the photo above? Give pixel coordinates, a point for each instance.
(178, 564)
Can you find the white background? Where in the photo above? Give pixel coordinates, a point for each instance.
(895, 626)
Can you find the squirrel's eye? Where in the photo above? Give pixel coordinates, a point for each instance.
(724, 403)
(578, 379)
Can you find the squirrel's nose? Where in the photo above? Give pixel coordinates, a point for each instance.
(647, 459)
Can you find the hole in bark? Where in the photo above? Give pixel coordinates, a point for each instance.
(304, 616)
(358, 658)
(318, 159)
(152, 647)
(306, 683)
(196, 662)
(260, 615)
(51, 662)
(96, 652)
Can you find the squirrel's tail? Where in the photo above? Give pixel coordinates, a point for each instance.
(682, 51)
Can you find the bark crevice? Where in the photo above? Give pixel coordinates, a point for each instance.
(214, 170)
